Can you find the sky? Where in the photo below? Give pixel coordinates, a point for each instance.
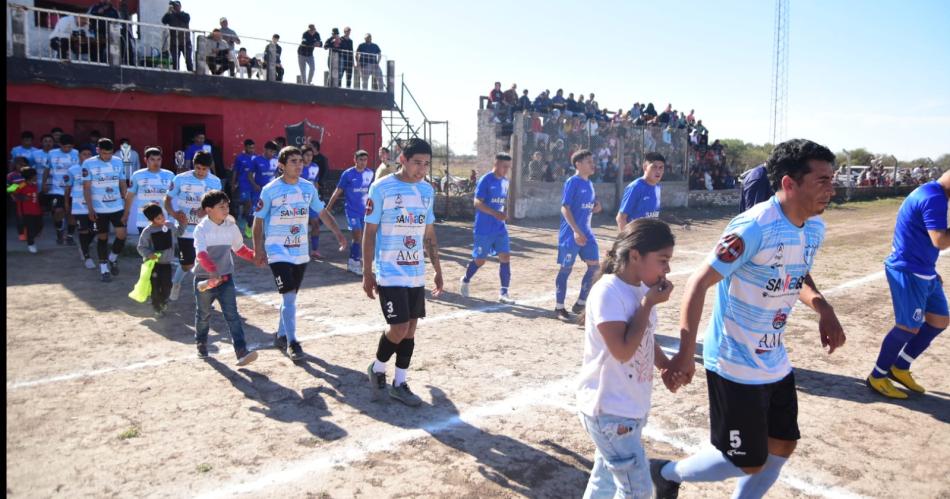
(873, 73)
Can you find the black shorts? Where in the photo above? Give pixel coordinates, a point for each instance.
(186, 251)
(743, 417)
(400, 304)
(288, 276)
(56, 202)
(104, 220)
(85, 225)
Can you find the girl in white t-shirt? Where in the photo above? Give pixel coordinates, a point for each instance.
(613, 395)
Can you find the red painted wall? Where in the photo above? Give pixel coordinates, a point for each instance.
(148, 119)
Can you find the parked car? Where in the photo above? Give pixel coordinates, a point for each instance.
(841, 176)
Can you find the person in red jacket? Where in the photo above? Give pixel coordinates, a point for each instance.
(28, 206)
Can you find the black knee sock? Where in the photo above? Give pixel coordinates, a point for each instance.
(404, 352)
(85, 239)
(70, 229)
(117, 245)
(102, 249)
(386, 349)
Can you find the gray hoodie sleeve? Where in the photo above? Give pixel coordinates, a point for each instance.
(145, 243)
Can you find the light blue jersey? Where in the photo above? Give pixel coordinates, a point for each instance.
(641, 200)
(763, 259)
(150, 188)
(355, 187)
(186, 193)
(74, 181)
(105, 178)
(40, 161)
(59, 164)
(23, 152)
(402, 210)
(492, 191)
(285, 210)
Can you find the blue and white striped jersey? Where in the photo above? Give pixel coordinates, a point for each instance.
(402, 210)
(105, 178)
(186, 193)
(285, 210)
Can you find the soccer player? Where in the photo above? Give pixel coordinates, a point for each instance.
(399, 214)
(186, 191)
(76, 206)
(575, 237)
(40, 162)
(354, 187)
(641, 198)
(104, 188)
(24, 150)
(241, 173)
(198, 144)
(280, 239)
(265, 168)
(311, 173)
(54, 184)
(761, 266)
(755, 188)
(491, 231)
(920, 304)
(149, 185)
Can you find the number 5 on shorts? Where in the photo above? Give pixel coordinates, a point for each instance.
(734, 439)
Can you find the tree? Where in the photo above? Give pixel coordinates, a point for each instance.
(943, 162)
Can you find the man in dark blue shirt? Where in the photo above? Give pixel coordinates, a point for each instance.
(755, 188)
(311, 40)
(368, 55)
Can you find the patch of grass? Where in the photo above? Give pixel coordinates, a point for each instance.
(203, 468)
(132, 432)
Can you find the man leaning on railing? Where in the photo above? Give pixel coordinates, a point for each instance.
(368, 56)
(71, 33)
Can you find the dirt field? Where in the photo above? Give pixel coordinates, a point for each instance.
(104, 401)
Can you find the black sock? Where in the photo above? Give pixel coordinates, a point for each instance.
(71, 229)
(117, 245)
(85, 239)
(404, 352)
(102, 249)
(386, 349)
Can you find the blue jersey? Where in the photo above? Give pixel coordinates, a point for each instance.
(74, 181)
(579, 197)
(402, 210)
(150, 188)
(186, 193)
(763, 259)
(105, 179)
(59, 164)
(311, 172)
(355, 187)
(755, 188)
(23, 152)
(285, 210)
(243, 164)
(264, 170)
(194, 148)
(493, 191)
(913, 251)
(641, 200)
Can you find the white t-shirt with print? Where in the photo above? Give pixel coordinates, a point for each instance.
(605, 385)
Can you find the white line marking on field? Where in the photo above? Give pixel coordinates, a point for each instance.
(866, 279)
(92, 373)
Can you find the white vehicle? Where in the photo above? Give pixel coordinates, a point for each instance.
(841, 176)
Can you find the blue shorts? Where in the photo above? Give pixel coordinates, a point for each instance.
(314, 214)
(568, 251)
(914, 296)
(487, 245)
(354, 222)
(244, 196)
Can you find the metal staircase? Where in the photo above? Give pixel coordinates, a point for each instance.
(398, 123)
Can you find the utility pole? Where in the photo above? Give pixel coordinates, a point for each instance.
(778, 119)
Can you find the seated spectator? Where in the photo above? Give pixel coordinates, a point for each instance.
(649, 114)
(536, 167)
(570, 105)
(524, 102)
(510, 97)
(71, 34)
(681, 122)
(496, 100)
(690, 119)
(580, 107)
(250, 64)
(707, 180)
(218, 54)
(558, 102)
(592, 109)
(539, 104)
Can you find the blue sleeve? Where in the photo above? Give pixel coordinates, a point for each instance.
(740, 241)
(263, 204)
(568, 197)
(933, 210)
(216, 184)
(482, 189)
(374, 205)
(628, 204)
(430, 212)
(176, 188)
(341, 184)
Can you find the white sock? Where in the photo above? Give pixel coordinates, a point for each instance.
(581, 302)
(559, 306)
(103, 267)
(113, 257)
(400, 377)
(379, 367)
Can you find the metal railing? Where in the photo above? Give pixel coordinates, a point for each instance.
(57, 35)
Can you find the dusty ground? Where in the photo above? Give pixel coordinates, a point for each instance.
(104, 401)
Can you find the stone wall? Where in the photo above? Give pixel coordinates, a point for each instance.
(455, 207)
(488, 144)
(722, 197)
(543, 199)
(674, 195)
(863, 193)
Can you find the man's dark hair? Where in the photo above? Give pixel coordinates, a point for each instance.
(27, 135)
(502, 156)
(84, 147)
(286, 153)
(46, 135)
(28, 172)
(248, 142)
(151, 211)
(416, 146)
(195, 136)
(315, 144)
(270, 145)
(153, 151)
(56, 129)
(203, 158)
(654, 156)
(216, 29)
(280, 140)
(65, 139)
(125, 140)
(383, 149)
(360, 154)
(791, 158)
(306, 149)
(105, 144)
(213, 198)
(580, 155)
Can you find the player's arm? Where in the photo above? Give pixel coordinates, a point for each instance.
(336, 195)
(250, 178)
(330, 222)
(622, 220)
(483, 207)
(940, 238)
(129, 199)
(691, 311)
(260, 254)
(432, 250)
(87, 195)
(829, 328)
(369, 254)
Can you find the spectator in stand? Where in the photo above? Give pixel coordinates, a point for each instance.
(496, 100)
(558, 102)
(691, 118)
(310, 40)
(219, 54)
(536, 166)
(707, 180)
(580, 107)
(634, 112)
(592, 108)
(681, 122)
(247, 62)
(228, 34)
(346, 58)
(570, 105)
(179, 40)
(71, 33)
(510, 100)
(278, 66)
(540, 137)
(524, 102)
(539, 104)
(334, 47)
(368, 54)
(649, 114)
(100, 28)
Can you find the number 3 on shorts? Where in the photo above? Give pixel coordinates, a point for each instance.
(389, 307)
(734, 439)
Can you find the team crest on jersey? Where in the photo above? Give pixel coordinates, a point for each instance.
(398, 201)
(808, 253)
(260, 205)
(730, 248)
(409, 242)
(426, 200)
(295, 229)
(918, 315)
(779, 256)
(369, 207)
(778, 322)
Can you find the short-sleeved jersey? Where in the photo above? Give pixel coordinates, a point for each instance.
(74, 181)
(194, 149)
(763, 259)
(59, 164)
(311, 172)
(264, 170)
(755, 188)
(105, 178)
(355, 187)
(186, 193)
(493, 191)
(285, 210)
(913, 251)
(579, 197)
(243, 164)
(402, 210)
(23, 152)
(40, 161)
(641, 200)
(150, 188)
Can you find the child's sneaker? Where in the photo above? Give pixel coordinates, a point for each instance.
(70, 240)
(403, 394)
(105, 277)
(507, 300)
(32, 248)
(175, 292)
(114, 267)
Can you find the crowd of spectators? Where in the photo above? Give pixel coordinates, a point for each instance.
(883, 176)
(708, 169)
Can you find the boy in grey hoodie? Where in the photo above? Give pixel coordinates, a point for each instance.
(157, 241)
